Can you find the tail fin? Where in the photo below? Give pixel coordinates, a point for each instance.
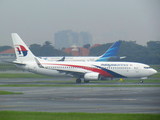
(23, 53)
(111, 52)
(62, 59)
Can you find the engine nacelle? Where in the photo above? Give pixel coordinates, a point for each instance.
(92, 76)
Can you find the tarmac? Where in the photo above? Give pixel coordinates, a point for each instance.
(60, 81)
(80, 99)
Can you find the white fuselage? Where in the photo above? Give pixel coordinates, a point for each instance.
(71, 58)
(87, 70)
(105, 69)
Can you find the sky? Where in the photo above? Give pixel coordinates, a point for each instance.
(36, 21)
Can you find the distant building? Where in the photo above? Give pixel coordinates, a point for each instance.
(74, 50)
(77, 51)
(7, 55)
(66, 38)
(85, 38)
(95, 45)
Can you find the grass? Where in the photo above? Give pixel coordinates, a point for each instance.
(137, 81)
(157, 75)
(108, 81)
(22, 75)
(30, 75)
(6, 93)
(19, 115)
(6, 66)
(157, 67)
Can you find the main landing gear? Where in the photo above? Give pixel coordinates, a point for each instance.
(86, 81)
(78, 80)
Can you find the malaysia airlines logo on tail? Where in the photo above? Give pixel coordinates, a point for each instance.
(22, 52)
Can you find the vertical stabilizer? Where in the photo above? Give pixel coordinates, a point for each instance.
(23, 53)
(111, 52)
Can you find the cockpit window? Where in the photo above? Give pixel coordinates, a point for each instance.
(147, 67)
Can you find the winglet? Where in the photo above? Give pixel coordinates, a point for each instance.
(62, 59)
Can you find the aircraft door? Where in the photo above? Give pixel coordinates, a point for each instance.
(136, 69)
(35, 70)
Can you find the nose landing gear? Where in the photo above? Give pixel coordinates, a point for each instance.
(141, 81)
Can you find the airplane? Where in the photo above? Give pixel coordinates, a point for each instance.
(87, 71)
(109, 54)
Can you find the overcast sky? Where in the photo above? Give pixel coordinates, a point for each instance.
(36, 21)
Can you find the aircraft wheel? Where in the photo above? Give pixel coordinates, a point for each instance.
(78, 80)
(86, 81)
(141, 81)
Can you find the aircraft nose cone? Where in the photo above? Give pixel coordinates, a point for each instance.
(154, 71)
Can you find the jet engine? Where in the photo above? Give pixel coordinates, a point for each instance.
(92, 76)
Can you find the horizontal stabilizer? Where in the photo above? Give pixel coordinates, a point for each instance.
(16, 63)
(122, 57)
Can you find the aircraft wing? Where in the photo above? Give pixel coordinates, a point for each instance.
(74, 73)
(68, 72)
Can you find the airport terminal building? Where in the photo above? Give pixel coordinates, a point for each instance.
(7, 55)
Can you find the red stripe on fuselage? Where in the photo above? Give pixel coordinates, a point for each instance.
(100, 71)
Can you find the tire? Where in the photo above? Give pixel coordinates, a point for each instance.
(78, 80)
(86, 81)
(141, 81)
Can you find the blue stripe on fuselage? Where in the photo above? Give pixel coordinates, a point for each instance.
(111, 72)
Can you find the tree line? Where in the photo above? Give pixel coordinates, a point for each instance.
(46, 50)
(41, 50)
(134, 52)
(149, 54)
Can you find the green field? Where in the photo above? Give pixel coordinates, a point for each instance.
(7, 93)
(18, 115)
(30, 75)
(6, 66)
(105, 81)
(21, 75)
(156, 67)
(157, 75)
(53, 82)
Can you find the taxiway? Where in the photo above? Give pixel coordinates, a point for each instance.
(82, 99)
